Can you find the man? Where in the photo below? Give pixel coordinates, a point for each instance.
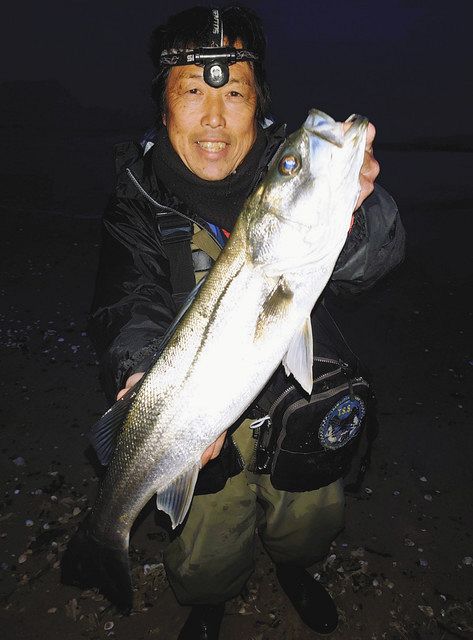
(211, 148)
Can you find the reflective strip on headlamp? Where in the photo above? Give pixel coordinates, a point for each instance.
(202, 55)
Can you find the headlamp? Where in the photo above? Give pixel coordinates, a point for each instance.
(215, 59)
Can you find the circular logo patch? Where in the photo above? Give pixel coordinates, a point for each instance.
(342, 422)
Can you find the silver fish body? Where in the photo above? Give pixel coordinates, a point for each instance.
(252, 312)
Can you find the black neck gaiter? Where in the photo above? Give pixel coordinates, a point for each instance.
(216, 201)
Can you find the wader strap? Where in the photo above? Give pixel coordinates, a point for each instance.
(205, 241)
(176, 233)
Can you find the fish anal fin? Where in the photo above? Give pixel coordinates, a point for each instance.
(175, 500)
(299, 357)
(274, 306)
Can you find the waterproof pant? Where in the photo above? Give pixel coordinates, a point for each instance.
(213, 557)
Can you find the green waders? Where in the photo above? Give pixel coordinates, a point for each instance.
(213, 557)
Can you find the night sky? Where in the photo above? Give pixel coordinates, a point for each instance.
(407, 64)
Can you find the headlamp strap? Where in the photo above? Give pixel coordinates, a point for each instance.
(217, 29)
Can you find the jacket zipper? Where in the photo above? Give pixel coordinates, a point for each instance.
(237, 449)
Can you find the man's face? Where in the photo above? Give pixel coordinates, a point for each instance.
(211, 129)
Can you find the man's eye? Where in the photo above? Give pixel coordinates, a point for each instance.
(235, 94)
(194, 91)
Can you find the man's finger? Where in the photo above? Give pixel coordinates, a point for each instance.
(132, 380)
(370, 135)
(213, 451)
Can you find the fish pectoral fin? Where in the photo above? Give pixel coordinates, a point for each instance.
(274, 307)
(176, 499)
(103, 435)
(299, 357)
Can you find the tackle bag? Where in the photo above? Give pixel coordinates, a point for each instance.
(307, 442)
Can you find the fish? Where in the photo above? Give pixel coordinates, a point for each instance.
(251, 313)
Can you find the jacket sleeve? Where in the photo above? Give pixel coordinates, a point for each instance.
(132, 305)
(374, 246)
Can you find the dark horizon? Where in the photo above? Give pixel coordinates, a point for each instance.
(404, 64)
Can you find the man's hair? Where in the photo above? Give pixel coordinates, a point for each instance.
(192, 28)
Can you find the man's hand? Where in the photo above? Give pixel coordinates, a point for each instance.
(370, 167)
(210, 453)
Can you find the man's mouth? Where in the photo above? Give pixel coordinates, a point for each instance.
(211, 146)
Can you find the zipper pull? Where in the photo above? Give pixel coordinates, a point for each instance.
(256, 425)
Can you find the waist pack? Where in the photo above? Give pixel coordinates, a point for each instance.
(307, 442)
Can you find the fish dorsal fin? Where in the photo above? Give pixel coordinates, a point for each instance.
(176, 499)
(299, 357)
(103, 435)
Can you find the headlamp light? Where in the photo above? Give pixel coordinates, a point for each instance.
(216, 74)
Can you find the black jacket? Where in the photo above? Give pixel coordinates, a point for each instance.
(134, 304)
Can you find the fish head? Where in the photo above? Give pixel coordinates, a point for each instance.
(301, 211)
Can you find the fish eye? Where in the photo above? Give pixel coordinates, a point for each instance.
(289, 165)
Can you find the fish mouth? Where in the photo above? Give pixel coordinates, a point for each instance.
(325, 127)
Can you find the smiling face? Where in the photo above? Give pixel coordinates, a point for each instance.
(211, 129)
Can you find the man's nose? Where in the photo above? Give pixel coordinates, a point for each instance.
(214, 111)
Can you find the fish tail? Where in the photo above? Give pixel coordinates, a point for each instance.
(87, 562)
